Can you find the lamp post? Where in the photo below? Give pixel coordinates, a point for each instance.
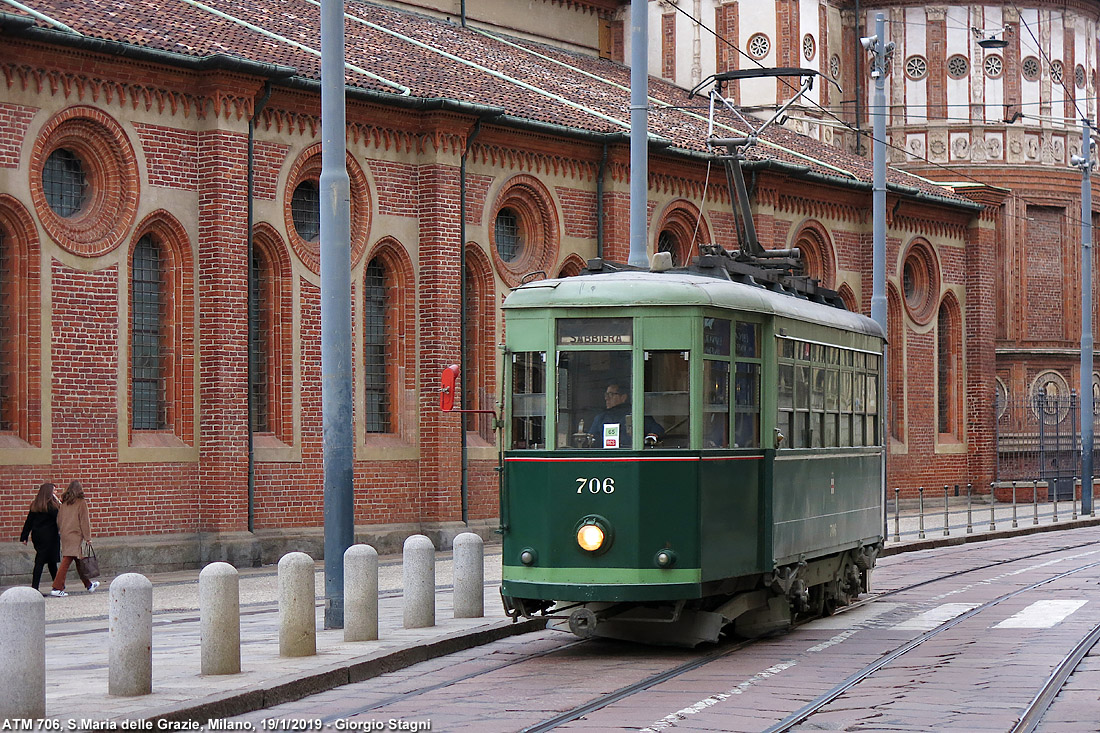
(879, 50)
(1085, 161)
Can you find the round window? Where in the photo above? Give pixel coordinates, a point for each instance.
(957, 66)
(809, 47)
(1079, 76)
(305, 210)
(834, 66)
(83, 180)
(994, 66)
(916, 67)
(1031, 68)
(65, 182)
(920, 282)
(759, 46)
(1056, 72)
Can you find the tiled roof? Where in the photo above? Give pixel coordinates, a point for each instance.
(389, 51)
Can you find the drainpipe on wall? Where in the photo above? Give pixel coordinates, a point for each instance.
(465, 404)
(599, 202)
(260, 104)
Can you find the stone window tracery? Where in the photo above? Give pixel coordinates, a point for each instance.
(958, 66)
(1031, 68)
(809, 47)
(1056, 71)
(759, 46)
(994, 66)
(916, 67)
(1079, 76)
(834, 66)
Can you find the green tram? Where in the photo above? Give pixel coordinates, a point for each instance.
(685, 450)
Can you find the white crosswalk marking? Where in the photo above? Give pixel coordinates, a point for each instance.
(931, 619)
(1041, 615)
(857, 617)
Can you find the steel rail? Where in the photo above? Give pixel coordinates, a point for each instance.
(641, 686)
(622, 693)
(821, 701)
(1038, 707)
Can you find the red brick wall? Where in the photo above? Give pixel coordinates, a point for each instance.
(14, 121)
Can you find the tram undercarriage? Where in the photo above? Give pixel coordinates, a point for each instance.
(763, 605)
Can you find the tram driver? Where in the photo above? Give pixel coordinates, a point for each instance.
(611, 426)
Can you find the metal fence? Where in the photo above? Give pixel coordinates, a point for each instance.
(1039, 438)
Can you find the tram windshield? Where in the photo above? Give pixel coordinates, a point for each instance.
(594, 408)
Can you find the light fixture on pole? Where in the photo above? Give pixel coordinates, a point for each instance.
(991, 39)
(1086, 163)
(880, 51)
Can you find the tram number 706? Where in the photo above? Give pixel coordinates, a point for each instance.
(596, 485)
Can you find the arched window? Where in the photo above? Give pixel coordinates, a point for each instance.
(816, 248)
(271, 345)
(259, 351)
(895, 376)
(948, 369)
(148, 406)
(9, 331)
(680, 231)
(478, 388)
(161, 349)
(378, 324)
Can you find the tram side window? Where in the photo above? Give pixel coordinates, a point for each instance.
(529, 400)
(785, 379)
(827, 396)
(667, 391)
(716, 383)
(716, 404)
(746, 428)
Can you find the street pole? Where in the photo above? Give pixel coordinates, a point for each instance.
(879, 50)
(639, 132)
(1085, 161)
(336, 396)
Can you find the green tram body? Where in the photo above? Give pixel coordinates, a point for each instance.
(730, 517)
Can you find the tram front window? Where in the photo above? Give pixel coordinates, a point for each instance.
(594, 407)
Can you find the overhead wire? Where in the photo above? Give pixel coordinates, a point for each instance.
(863, 133)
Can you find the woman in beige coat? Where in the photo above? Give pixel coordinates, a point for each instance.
(76, 529)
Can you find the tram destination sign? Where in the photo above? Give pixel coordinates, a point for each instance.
(594, 331)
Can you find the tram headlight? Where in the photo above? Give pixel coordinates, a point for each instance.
(665, 559)
(590, 537)
(528, 556)
(594, 534)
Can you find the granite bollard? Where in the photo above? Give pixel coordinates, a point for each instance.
(469, 576)
(418, 580)
(360, 593)
(23, 649)
(219, 619)
(130, 633)
(297, 606)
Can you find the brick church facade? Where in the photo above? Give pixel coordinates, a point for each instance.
(140, 150)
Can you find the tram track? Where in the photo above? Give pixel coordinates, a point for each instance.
(1048, 692)
(661, 677)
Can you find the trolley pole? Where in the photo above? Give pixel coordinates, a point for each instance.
(639, 132)
(336, 390)
(879, 50)
(1085, 162)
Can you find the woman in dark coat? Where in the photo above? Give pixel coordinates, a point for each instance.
(76, 529)
(41, 527)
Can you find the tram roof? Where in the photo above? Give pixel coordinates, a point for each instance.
(643, 288)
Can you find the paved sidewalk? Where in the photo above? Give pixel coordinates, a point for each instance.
(77, 647)
(77, 641)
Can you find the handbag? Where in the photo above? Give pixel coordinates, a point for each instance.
(89, 564)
